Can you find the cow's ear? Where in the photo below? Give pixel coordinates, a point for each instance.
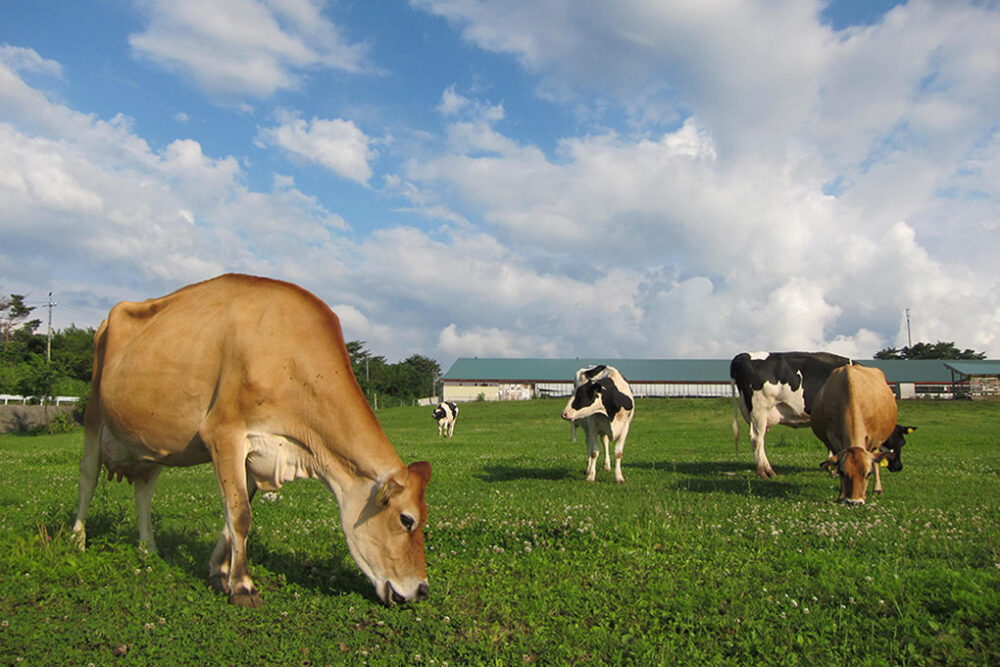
(421, 469)
(881, 455)
(387, 491)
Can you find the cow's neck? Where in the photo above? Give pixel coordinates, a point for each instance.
(350, 448)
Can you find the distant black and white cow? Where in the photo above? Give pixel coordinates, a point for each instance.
(603, 405)
(776, 388)
(446, 413)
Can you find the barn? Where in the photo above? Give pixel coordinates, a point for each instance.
(496, 379)
(975, 379)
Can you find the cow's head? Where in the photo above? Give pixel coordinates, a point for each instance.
(385, 534)
(854, 467)
(438, 413)
(587, 400)
(894, 444)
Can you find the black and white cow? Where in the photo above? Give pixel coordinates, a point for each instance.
(776, 388)
(603, 405)
(582, 375)
(446, 413)
(894, 445)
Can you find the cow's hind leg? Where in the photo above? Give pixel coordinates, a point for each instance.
(229, 459)
(144, 507)
(619, 450)
(607, 452)
(758, 428)
(90, 470)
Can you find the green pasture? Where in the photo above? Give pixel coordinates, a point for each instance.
(692, 561)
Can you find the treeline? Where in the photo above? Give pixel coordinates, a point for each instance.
(393, 384)
(30, 366)
(25, 370)
(938, 350)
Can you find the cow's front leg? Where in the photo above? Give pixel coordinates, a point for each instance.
(218, 562)
(593, 451)
(878, 477)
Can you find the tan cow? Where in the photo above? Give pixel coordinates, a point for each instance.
(252, 375)
(853, 414)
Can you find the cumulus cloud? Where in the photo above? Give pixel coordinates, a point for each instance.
(774, 184)
(812, 193)
(335, 144)
(244, 48)
(87, 202)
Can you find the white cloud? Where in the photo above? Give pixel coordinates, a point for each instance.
(87, 202)
(244, 48)
(734, 199)
(745, 178)
(20, 59)
(336, 144)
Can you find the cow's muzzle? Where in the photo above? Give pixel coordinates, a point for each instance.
(392, 596)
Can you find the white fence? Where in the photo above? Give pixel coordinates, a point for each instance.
(16, 399)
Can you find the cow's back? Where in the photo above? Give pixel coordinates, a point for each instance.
(854, 408)
(232, 343)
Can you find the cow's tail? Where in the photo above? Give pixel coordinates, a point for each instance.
(736, 415)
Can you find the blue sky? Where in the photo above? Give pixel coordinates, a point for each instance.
(461, 177)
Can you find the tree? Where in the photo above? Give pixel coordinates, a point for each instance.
(938, 350)
(406, 380)
(13, 316)
(427, 372)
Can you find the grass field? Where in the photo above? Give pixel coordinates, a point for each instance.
(693, 561)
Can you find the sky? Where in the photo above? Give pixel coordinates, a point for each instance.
(568, 178)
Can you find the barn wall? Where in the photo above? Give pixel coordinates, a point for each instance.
(464, 393)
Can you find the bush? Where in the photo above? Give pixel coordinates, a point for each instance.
(63, 422)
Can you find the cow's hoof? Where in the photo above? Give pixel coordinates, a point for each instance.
(620, 481)
(246, 599)
(219, 583)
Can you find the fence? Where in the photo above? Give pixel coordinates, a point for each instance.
(16, 399)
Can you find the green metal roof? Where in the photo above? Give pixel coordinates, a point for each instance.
(673, 370)
(983, 367)
(562, 370)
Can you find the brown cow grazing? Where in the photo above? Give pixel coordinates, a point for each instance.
(252, 375)
(853, 414)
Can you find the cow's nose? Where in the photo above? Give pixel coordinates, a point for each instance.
(423, 591)
(565, 415)
(854, 502)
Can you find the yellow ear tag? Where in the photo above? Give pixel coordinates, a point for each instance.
(884, 463)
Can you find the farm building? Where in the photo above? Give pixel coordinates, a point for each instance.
(975, 379)
(492, 379)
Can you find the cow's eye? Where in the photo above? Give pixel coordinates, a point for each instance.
(407, 521)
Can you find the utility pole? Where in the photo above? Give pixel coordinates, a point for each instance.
(909, 340)
(48, 342)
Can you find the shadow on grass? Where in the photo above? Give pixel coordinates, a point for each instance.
(189, 550)
(508, 473)
(734, 477)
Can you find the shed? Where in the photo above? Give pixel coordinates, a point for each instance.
(975, 379)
